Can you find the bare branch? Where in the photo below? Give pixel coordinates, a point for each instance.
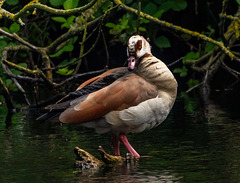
(20, 40)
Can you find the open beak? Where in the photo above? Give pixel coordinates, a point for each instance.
(131, 62)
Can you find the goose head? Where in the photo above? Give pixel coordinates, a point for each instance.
(137, 47)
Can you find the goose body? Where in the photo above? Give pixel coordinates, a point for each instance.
(122, 100)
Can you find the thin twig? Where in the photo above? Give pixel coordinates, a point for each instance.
(192, 88)
(138, 16)
(6, 95)
(233, 72)
(19, 39)
(80, 75)
(176, 61)
(7, 70)
(81, 49)
(106, 50)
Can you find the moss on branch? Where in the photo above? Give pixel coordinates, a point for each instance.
(36, 5)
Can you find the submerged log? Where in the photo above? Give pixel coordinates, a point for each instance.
(85, 160)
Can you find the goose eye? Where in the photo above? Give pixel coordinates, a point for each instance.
(139, 44)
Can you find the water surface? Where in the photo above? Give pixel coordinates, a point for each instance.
(197, 143)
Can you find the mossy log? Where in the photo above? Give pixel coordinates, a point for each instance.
(85, 160)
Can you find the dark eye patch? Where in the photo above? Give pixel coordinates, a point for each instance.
(138, 45)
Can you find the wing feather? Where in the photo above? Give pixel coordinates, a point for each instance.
(125, 92)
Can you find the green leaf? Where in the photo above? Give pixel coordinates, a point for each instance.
(183, 74)
(64, 62)
(56, 2)
(59, 19)
(124, 22)
(18, 72)
(7, 82)
(182, 71)
(177, 70)
(70, 19)
(142, 29)
(12, 2)
(159, 2)
(67, 48)
(14, 27)
(238, 1)
(3, 43)
(6, 29)
(178, 5)
(70, 4)
(115, 31)
(10, 85)
(209, 47)
(106, 6)
(150, 9)
(110, 25)
(159, 13)
(64, 71)
(143, 20)
(68, 22)
(166, 5)
(191, 56)
(127, 1)
(162, 42)
(23, 65)
(192, 82)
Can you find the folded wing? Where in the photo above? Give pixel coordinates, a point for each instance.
(127, 91)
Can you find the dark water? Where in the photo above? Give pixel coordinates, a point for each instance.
(197, 143)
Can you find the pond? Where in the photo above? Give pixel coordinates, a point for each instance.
(198, 142)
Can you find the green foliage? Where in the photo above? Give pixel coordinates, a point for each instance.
(106, 5)
(14, 27)
(64, 71)
(209, 47)
(162, 42)
(181, 71)
(67, 48)
(127, 25)
(56, 3)
(70, 4)
(178, 5)
(65, 22)
(3, 44)
(118, 28)
(17, 72)
(190, 105)
(150, 8)
(238, 1)
(67, 4)
(10, 84)
(191, 56)
(12, 2)
(192, 82)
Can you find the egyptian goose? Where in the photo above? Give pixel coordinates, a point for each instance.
(122, 100)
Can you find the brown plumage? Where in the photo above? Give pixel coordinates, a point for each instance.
(122, 101)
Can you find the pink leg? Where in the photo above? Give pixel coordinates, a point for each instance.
(124, 140)
(116, 144)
